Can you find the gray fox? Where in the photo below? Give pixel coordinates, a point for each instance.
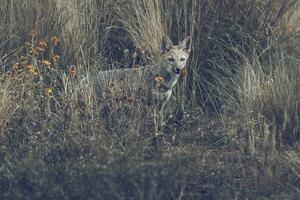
(153, 83)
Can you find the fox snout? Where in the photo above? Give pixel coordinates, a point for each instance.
(178, 64)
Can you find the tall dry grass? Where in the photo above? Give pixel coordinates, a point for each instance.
(7, 105)
(142, 20)
(273, 91)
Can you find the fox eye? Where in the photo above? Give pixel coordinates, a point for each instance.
(182, 59)
(171, 59)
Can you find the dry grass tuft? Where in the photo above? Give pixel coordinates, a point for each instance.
(273, 91)
(143, 22)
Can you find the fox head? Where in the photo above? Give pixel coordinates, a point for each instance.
(175, 56)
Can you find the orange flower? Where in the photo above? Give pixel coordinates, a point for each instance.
(159, 78)
(54, 40)
(183, 72)
(49, 91)
(32, 69)
(42, 43)
(33, 52)
(39, 49)
(46, 62)
(33, 33)
(72, 71)
(55, 57)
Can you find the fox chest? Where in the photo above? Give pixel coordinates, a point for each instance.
(161, 89)
(161, 95)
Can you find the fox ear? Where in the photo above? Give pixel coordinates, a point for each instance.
(166, 44)
(186, 44)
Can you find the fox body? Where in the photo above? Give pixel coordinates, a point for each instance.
(152, 83)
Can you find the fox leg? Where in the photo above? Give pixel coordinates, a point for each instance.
(163, 103)
(155, 119)
(158, 115)
(158, 137)
(160, 118)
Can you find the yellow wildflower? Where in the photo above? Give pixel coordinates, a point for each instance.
(55, 57)
(49, 91)
(42, 43)
(46, 62)
(33, 33)
(33, 52)
(159, 78)
(32, 69)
